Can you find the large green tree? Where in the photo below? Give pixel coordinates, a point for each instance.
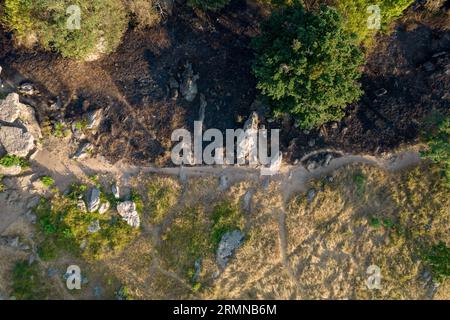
(307, 64)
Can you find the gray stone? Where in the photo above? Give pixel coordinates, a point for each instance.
(328, 159)
(9, 110)
(94, 227)
(94, 119)
(127, 210)
(16, 141)
(247, 200)
(223, 183)
(429, 66)
(83, 152)
(93, 201)
(10, 171)
(115, 191)
(312, 143)
(380, 92)
(28, 89)
(228, 244)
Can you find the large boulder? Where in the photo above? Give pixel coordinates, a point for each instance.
(228, 244)
(127, 210)
(16, 141)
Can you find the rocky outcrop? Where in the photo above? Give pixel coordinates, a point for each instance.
(16, 141)
(19, 130)
(228, 244)
(127, 210)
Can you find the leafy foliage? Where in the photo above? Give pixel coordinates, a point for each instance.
(212, 5)
(12, 160)
(47, 181)
(439, 147)
(357, 15)
(307, 65)
(102, 25)
(439, 260)
(27, 282)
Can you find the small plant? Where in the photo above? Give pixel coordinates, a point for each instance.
(212, 5)
(47, 181)
(439, 260)
(2, 186)
(12, 160)
(123, 294)
(307, 65)
(375, 222)
(47, 251)
(144, 13)
(360, 181)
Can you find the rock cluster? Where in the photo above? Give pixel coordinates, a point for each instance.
(127, 210)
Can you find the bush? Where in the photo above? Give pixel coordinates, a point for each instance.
(307, 65)
(102, 25)
(28, 284)
(144, 13)
(212, 5)
(47, 181)
(355, 12)
(439, 260)
(439, 147)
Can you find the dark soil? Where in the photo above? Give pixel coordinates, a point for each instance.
(132, 86)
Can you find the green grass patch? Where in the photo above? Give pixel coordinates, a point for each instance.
(162, 195)
(63, 223)
(438, 258)
(12, 160)
(226, 217)
(47, 181)
(28, 284)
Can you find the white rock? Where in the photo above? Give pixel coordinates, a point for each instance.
(127, 210)
(16, 141)
(93, 202)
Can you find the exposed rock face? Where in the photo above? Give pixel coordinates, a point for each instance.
(16, 141)
(189, 87)
(248, 140)
(127, 210)
(19, 136)
(10, 171)
(93, 200)
(228, 244)
(83, 152)
(94, 119)
(9, 109)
